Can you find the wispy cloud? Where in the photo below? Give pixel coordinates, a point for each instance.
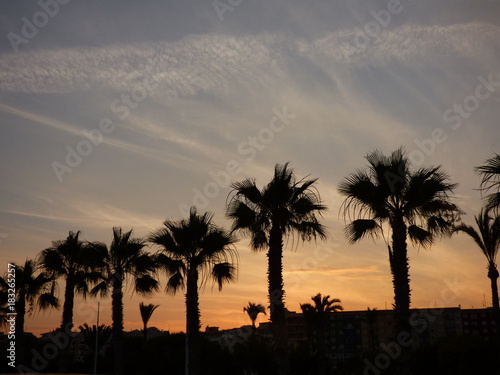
(201, 63)
(342, 273)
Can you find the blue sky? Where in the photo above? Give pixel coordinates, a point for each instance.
(120, 113)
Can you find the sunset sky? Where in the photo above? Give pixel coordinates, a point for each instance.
(125, 113)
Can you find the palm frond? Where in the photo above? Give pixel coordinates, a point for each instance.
(223, 273)
(420, 236)
(361, 228)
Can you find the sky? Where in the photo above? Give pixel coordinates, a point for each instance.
(126, 113)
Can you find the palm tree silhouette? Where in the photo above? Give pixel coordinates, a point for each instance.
(487, 238)
(103, 332)
(283, 207)
(34, 289)
(413, 204)
(253, 310)
(125, 258)
(70, 259)
(316, 315)
(192, 251)
(491, 180)
(146, 313)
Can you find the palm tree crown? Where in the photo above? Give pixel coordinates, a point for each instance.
(491, 180)
(414, 204)
(488, 240)
(322, 305)
(253, 310)
(146, 313)
(194, 250)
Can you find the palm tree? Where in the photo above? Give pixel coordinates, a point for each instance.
(414, 204)
(316, 315)
(253, 310)
(146, 313)
(71, 260)
(192, 251)
(93, 335)
(488, 240)
(285, 206)
(125, 259)
(491, 180)
(34, 290)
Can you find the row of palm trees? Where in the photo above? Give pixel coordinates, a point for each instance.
(388, 199)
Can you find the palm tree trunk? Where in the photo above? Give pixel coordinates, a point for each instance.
(20, 315)
(117, 329)
(193, 353)
(276, 295)
(401, 282)
(400, 273)
(493, 275)
(67, 322)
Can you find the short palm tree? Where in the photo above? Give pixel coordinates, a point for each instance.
(410, 203)
(192, 251)
(490, 172)
(146, 313)
(96, 338)
(316, 316)
(72, 260)
(253, 310)
(125, 259)
(284, 207)
(487, 238)
(35, 289)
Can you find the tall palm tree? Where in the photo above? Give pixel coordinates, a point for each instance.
(490, 172)
(487, 238)
(253, 310)
(125, 259)
(146, 313)
(410, 203)
(192, 251)
(72, 260)
(284, 207)
(316, 315)
(34, 290)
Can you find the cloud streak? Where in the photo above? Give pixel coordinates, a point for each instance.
(201, 63)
